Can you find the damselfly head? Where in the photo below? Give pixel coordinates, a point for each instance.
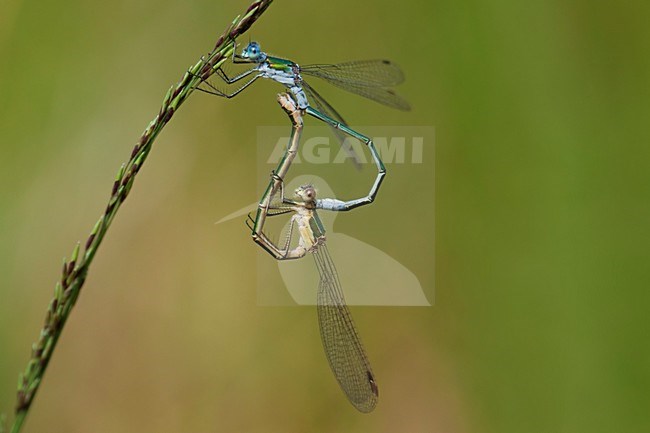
(307, 193)
(253, 52)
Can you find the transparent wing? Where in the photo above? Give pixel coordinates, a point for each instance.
(278, 211)
(342, 345)
(384, 96)
(367, 78)
(278, 205)
(371, 73)
(325, 108)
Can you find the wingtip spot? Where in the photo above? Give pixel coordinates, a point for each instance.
(373, 384)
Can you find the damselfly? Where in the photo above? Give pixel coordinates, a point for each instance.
(343, 349)
(372, 79)
(342, 345)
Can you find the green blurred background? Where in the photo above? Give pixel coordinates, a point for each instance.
(541, 219)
